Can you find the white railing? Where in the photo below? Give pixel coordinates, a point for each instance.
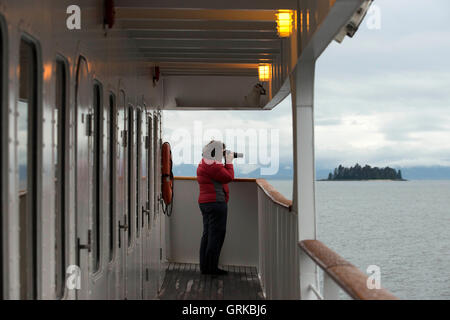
(280, 254)
(339, 274)
(262, 231)
(278, 251)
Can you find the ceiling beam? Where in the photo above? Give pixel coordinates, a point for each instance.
(234, 51)
(113, 50)
(217, 44)
(205, 15)
(209, 65)
(219, 72)
(195, 35)
(191, 59)
(175, 54)
(197, 25)
(253, 71)
(209, 4)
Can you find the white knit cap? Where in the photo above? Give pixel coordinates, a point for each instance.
(213, 150)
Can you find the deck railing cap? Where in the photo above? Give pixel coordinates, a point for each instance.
(348, 277)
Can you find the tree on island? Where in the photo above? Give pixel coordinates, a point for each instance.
(365, 173)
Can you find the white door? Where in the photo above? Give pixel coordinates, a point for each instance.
(121, 213)
(142, 176)
(84, 163)
(134, 249)
(151, 250)
(160, 219)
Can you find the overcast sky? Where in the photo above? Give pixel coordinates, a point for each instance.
(382, 97)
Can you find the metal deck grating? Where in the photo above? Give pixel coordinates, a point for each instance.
(183, 281)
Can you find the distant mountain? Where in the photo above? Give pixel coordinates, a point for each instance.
(285, 172)
(240, 171)
(184, 170)
(426, 173)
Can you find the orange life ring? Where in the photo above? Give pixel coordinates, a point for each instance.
(166, 173)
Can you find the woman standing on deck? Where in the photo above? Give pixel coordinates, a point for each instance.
(213, 178)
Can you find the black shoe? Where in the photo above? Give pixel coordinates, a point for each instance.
(219, 272)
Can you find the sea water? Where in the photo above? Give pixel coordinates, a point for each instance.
(401, 227)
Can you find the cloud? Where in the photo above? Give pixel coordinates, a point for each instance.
(264, 137)
(381, 98)
(387, 91)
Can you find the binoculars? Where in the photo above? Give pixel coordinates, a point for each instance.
(235, 154)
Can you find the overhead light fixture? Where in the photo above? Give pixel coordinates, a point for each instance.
(156, 74)
(264, 72)
(352, 26)
(284, 22)
(109, 14)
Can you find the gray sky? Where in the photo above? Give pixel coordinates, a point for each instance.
(382, 97)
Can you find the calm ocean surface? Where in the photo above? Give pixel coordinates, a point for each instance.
(402, 227)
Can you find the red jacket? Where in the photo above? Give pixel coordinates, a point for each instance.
(213, 181)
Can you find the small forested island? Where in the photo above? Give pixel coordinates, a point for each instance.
(364, 173)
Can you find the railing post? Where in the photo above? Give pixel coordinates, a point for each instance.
(330, 288)
(302, 93)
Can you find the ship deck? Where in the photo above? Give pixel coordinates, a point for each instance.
(183, 281)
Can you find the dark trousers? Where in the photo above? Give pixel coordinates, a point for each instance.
(214, 228)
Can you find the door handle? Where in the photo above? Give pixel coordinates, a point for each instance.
(80, 246)
(87, 246)
(84, 246)
(146, 211)
(123, 226)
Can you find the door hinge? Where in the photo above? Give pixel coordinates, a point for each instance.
(146, 274)
(124, 138)
(89, 124)
(160, 253)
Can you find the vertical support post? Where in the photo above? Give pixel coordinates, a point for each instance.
(330, 288)
(302, 93)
